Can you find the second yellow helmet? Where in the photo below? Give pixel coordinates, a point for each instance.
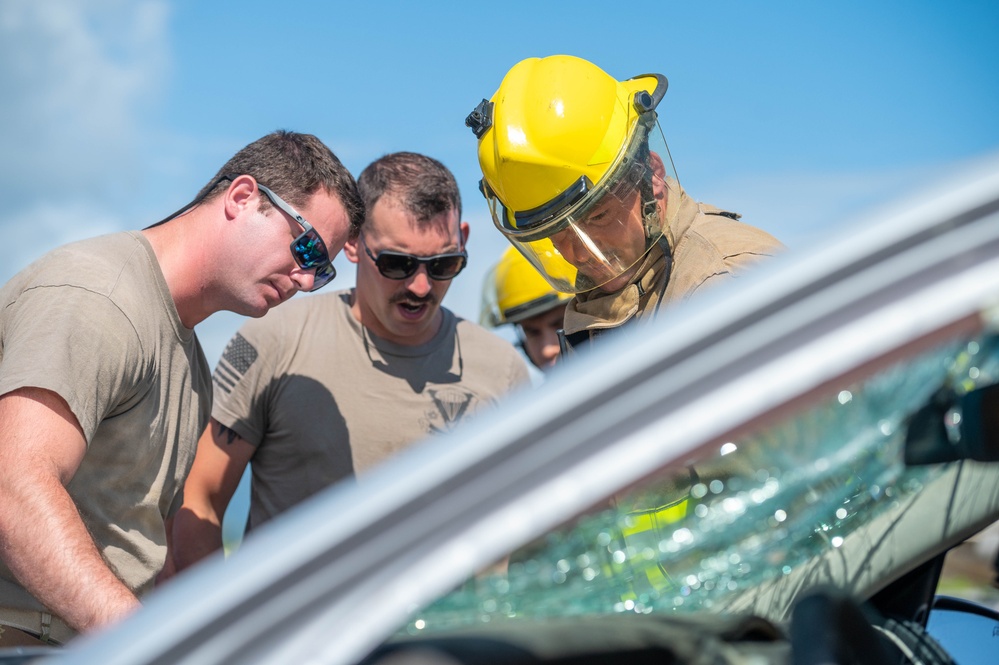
(515, 291)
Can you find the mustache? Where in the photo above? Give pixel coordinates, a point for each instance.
(407, 298)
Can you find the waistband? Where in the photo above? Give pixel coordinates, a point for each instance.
(48, 629)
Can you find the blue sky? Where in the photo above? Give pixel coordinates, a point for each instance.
(799, 115)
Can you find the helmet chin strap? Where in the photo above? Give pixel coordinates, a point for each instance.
(652, 223)
(667, 273)
(650, 214)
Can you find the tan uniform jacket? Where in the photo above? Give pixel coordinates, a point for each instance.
(707, 246)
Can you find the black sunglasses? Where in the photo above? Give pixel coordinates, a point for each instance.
(308, 248)
(397, 265)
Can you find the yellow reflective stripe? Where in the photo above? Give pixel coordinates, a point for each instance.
(646, 529)
(650, 520)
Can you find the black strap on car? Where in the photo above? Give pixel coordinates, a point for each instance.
(828, 627)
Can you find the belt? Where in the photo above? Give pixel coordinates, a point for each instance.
(41, 625)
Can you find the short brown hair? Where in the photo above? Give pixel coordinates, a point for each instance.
(294, 166)
(424, 186)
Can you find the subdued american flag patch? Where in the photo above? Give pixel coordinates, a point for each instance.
(239, 354)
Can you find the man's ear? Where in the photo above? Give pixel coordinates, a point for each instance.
(464, 228)
(240, 196)
(352, 249)
(659, 171)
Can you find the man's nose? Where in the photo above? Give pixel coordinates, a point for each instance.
(549, 346)
(568, 245)
(303, 278)
(419, 283)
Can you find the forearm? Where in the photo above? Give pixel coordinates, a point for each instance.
(47, 547)
(219, 464)
(42, 538)
(196, 535)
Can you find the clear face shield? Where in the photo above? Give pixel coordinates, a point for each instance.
(596, 235)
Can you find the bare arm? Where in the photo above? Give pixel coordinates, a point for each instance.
(218, 465)
(42, 538)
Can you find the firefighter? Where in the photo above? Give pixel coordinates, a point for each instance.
(515, 293)
(578, 177)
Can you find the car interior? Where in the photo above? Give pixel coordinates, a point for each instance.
(948, 421)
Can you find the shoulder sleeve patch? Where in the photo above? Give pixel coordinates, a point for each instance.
(236, 359)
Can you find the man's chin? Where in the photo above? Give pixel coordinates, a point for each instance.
(614, 285)
(255, 312)
(259, 307)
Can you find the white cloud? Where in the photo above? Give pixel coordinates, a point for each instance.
(75, 76)
(29, 233)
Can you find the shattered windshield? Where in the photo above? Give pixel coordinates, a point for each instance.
(821, 493)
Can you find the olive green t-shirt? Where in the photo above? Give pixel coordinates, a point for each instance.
(94, 322)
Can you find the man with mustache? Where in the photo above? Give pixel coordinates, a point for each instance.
(339, 382)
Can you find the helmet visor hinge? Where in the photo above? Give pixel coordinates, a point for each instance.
(644, 101)
(481, 118)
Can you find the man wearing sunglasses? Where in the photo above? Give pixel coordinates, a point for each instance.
(330, 385)
(104, 389)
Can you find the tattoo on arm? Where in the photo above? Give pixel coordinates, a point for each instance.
(229, 433)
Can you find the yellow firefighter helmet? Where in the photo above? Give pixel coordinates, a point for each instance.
(515, 291)
(560, 142)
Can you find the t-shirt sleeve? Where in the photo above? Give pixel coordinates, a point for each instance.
(242, 379)
(77, 344)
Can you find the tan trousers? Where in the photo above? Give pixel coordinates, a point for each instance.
(41, 626)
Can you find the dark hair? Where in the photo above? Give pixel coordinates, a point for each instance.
(424, 186)
(295, 166)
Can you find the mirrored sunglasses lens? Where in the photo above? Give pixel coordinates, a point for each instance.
(309, 250)
(324, 275)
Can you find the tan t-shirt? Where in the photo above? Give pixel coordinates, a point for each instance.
(322, 398)
(94, 322)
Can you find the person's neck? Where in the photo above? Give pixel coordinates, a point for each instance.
(183, 264)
